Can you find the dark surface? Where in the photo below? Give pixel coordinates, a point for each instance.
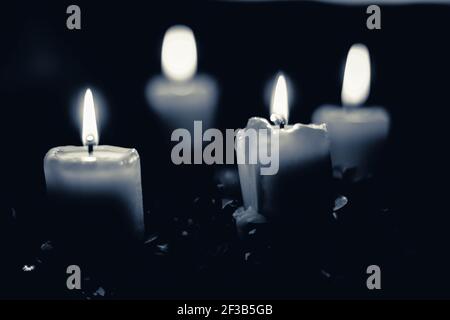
(197, 253)
(43, 67)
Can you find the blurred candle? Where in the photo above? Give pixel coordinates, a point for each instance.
(356, 132)
(96, 188)
(303, 160)
(179, 96)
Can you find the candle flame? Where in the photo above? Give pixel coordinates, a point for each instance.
(179, 53)
(279, 107)
(356, 83)
(90, 133)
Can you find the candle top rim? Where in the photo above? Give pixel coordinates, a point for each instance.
(353, 115)
(261, 123)
(104, 154)
(201, 84)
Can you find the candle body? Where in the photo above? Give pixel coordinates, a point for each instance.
(304, 167)
(356, 137)
(180, 103)
(96, 199)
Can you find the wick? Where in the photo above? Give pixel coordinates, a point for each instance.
(90, 148)
(90, 144)
(278, 120)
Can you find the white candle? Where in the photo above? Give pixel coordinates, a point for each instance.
(356, 132)
(99, 185)
(179, 97)
(303, 157)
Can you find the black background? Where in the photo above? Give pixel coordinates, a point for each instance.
(44, 66)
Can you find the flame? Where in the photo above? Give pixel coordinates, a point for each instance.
(90, 133)
(356, 83)
(179, 53)
(279, 106)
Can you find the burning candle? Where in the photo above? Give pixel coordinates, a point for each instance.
(356, 132)
(95, 189)
(180, 96)
(303, 154)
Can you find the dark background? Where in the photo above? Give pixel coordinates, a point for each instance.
(43, 66)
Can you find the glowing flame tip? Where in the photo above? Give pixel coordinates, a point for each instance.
(89, 132)
(356, 83)
(280, 105)
(179, 53)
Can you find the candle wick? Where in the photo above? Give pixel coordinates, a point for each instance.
(90, 148)
(278, 120)
(90, 144)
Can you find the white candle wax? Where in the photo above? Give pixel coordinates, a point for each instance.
(356, 132)
(302, 148)
(180, 97)
(99, 185)
(180, 103)
(303, 154)
(356, 136)
(109, 172)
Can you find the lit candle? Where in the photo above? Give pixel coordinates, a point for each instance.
(304, 160)
(180, 97)
(356, 132)
(95, 189)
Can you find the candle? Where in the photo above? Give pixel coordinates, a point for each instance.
(303, 156)
(180, 96)
(356, 132)
(95, 189)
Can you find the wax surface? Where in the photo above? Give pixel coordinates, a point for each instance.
(180, 103)
(303, 154)
(356, 136)
(105, 184)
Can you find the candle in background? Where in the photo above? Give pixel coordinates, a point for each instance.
(179, 96)
(95, 189)
(356, 132)
(304, 162)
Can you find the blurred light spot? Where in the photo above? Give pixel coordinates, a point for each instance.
(356, 83)
(179, 53)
